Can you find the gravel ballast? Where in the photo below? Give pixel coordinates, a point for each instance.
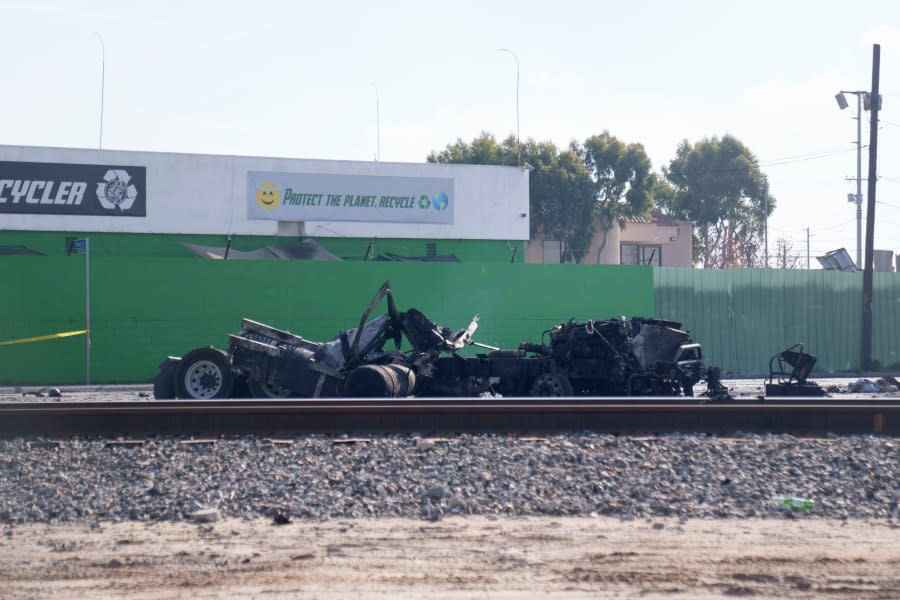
(323, 477)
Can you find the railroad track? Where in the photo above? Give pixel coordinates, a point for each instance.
(799, 416)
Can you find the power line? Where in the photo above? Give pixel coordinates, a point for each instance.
(842, 224)
(777, 162)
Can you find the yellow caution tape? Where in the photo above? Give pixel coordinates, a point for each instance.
(41, 338)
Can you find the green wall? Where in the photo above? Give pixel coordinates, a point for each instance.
(744, 316)
(143, 309)
(172, 245)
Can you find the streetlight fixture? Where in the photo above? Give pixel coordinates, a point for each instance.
(863, 102)
(518, 138)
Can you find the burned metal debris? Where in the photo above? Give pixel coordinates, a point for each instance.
(404, 353)
(788, 373)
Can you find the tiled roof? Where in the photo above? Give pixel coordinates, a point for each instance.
(656, 218)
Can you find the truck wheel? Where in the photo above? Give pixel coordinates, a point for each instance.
(164, 383)
(371, 381)
(551, 384)
(406, 380)
(204, 374)
(261, 389)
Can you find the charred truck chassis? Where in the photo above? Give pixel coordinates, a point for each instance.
(640, 357)
(646, 357)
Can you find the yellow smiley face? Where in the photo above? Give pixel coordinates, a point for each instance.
(268, 196)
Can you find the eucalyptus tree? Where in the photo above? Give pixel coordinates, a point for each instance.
(717, 184)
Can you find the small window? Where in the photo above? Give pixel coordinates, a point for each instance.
(639, 254)
(430, 249)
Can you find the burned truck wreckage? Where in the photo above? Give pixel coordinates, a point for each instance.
(402, 354)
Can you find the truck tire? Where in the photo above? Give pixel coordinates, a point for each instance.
(551, 384)
(261, 389)
(371, 381)
(405, 378)
(164, 383)
(204, 374)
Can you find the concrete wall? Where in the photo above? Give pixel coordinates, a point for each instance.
(206, 194)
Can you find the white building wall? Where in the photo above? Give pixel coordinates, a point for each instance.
(207, 194)
(676, 244)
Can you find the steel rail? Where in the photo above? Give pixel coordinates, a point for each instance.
(802, 416)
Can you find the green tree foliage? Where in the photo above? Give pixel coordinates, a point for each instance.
(561, 193)
(623, 182)
(484, 150)
(717, 184)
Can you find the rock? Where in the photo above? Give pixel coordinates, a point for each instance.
(54, 392)
(514, 555)
(278, 518)
(457, 503)
(424, 445)
(205, 515)
(431, 512)
(435, 492)
(579, 474)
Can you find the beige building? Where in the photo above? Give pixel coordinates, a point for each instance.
(657, 240)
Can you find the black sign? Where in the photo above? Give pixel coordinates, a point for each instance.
(67, 189)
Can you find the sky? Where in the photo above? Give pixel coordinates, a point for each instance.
(396, 80)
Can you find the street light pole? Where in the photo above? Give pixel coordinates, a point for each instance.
(102, 84)
(377, 125)
(518, 138)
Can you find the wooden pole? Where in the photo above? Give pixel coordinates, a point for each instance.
(870, 212)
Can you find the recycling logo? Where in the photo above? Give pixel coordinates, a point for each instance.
(438, 202)
(116, 192)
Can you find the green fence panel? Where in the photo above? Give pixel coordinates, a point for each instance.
(886, 320)
(143, 309)
(744, 316)
(41, 299)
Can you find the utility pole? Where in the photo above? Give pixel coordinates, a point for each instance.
(870, 212)
(842, 103)
(807, 248)
(766, 221)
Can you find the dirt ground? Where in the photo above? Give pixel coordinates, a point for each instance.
(471, 557)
